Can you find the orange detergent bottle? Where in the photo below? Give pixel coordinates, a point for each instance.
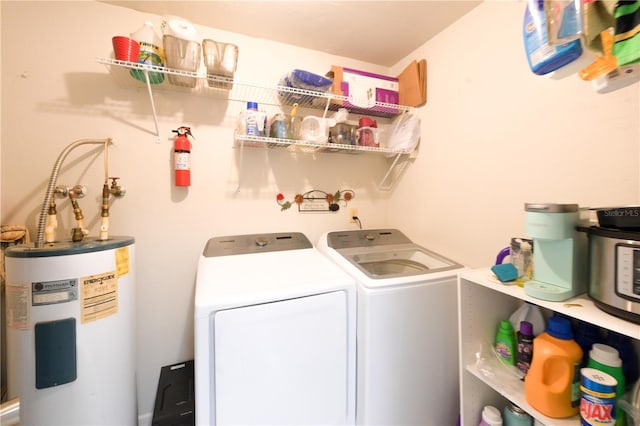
(552, 384)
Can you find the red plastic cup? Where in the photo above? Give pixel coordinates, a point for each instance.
(125, 49)
(367, 122)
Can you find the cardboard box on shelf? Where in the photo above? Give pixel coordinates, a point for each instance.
(364, 89)
(413, 84)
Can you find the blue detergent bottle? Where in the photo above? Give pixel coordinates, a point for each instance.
(543, 56)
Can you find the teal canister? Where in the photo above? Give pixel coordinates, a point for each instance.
(516, 416)
(605, 358)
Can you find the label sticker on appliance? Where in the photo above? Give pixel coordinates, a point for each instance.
(18, 308)
(122, 261)
(99, 296)
(51, 292)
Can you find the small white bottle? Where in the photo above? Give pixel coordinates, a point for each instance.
(255, 120)
(491, 416)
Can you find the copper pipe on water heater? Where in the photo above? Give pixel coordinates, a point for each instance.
(80, 231)
(104, 213)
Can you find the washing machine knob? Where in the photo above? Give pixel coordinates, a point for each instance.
(370, 237)
(261, 242)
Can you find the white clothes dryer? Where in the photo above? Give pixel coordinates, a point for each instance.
(275, 325)
(407, 327)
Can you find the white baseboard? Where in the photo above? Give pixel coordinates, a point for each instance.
(145, 419)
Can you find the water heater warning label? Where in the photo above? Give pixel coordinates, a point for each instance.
(99, 296)
(18, 306)
(122, 261)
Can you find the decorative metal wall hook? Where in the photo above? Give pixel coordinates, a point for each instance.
(317, 200)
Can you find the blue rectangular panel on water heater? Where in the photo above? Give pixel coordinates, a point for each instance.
(55, 353)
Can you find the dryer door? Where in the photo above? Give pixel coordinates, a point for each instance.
(282, 363)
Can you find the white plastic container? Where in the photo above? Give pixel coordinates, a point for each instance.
(491, 416)
(151, 53)
(255, 120)
(180, 28)
(528, 312)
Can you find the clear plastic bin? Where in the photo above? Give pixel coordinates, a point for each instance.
(182, 55)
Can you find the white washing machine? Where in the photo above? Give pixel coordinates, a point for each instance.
(407, 327)
(275, 330)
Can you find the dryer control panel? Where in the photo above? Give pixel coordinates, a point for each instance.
(255, 243)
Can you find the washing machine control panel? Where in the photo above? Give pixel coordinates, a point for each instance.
(366, 238)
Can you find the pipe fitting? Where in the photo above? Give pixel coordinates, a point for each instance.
(116, 190)
(52, 183)
(62, 191)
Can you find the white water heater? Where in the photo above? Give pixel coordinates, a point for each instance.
(71, 332)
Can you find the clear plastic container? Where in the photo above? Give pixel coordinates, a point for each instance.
(221, 59)
(183, 55)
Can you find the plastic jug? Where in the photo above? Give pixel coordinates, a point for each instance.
(151, 53)
(531, 313)
(552, 384)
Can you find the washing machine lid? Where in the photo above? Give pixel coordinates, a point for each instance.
(383, 257)
(395, 261)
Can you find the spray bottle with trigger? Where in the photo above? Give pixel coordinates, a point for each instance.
(182, 151)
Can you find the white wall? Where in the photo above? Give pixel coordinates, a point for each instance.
(494, 137)
(54, 92)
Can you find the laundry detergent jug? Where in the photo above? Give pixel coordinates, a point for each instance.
(552, 384)
(151, 53)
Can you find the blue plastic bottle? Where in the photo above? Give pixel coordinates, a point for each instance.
(544, 57)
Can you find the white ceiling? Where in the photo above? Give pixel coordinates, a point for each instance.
(379, 32)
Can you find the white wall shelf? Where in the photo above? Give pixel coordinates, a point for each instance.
(397, 158)
(235, 90)
(483, 302)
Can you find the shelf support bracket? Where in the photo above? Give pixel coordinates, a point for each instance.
(326, 108)
(153, 104)
(384, 185)
(241, 161)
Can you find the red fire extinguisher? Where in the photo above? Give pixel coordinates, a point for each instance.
(181, 154)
